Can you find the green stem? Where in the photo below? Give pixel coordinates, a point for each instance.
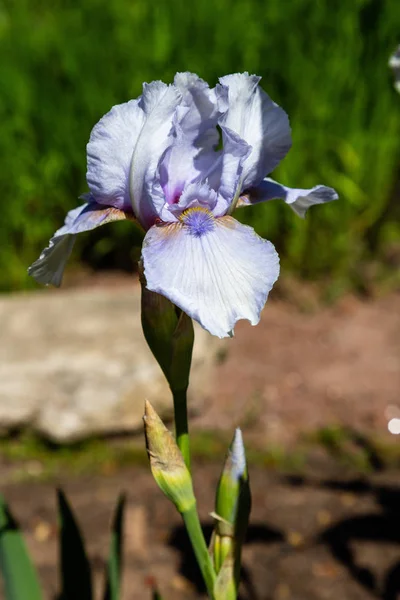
(193, 527)
(181, 424)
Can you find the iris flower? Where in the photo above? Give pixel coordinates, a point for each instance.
(179, 159)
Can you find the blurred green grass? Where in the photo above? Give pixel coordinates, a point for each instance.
(28, 457)
(64, 64)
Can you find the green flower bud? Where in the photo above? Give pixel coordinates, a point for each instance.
(233, 492)
(166, 462)
(232, 511)
(169, 334)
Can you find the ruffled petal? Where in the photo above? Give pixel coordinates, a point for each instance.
(202, 111)
(193, 138)
(159, 103)
(226, 172)
(217, 270)
(109, 154)
(194, 195)
(299, 200)
(259, 121)
(49, 267)
(234, 154)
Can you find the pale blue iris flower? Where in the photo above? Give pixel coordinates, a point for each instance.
(179, 160)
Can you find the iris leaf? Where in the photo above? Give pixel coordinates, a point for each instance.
(20, 577)
(76, 581)
(114, 566)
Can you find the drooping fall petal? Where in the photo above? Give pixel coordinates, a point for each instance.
(49, 267)
(217, 270)
(298, 199)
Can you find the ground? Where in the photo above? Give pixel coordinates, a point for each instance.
(313, 389)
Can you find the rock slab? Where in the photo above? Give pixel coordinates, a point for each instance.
(74, 364)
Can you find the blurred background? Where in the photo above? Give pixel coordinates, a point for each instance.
(313, 387)
(64, 64)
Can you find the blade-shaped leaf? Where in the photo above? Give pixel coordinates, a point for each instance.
(114, 566)
(76, 581)
(20, 577)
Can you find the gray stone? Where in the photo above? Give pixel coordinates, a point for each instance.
(74, 363)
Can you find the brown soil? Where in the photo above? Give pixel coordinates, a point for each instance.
(327, 534)
(297, 371)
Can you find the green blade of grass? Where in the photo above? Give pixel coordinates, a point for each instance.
(76, 581)
(114, 566)
(20, 577)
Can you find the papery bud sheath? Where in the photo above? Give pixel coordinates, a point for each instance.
(166, 462)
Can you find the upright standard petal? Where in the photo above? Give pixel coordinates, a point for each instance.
(235, 153)
(109, 154)
(194, 195)
(193, 138)
(217, 270)
(49, 267)
(200, 103)
(226, 172)
(159, 103)
(299, 200)
(259, 121)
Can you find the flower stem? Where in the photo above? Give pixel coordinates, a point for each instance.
(181, 424)
(191, 517)
(193, 527)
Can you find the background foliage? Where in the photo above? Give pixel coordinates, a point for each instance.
(65, 63)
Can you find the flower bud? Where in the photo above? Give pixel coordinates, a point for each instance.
(232, 511)
(169, 334)
(166, 462)
(233, 492)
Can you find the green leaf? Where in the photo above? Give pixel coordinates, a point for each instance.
(76, 581)
(156, 595)
(20, 577)
(114, 567)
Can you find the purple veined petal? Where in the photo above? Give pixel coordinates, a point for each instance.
(193, 138)
(176, 167)
(109, 154)
(225, 173)
(259, 121)
(159, 202)
(217, 270)
(203, 110)
(49, 267)
(299, 200)
(221, 171)
(194, 195)
(235, 152)
(159, 103)
(197, 194)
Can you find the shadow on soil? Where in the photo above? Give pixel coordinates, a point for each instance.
(378, 528)
(256, 533)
